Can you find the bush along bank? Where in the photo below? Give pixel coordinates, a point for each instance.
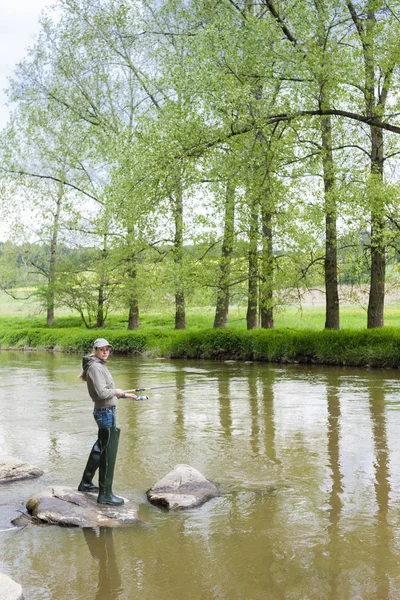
(373, 348)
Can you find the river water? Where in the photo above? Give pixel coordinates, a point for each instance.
(306, 459)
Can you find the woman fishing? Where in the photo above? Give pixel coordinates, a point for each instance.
(105, 396)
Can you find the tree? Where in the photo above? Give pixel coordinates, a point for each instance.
(377, 27)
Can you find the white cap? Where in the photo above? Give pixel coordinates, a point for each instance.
(101, 343)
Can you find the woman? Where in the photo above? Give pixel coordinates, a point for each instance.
(105, 396)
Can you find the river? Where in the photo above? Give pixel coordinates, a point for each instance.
(306, 459)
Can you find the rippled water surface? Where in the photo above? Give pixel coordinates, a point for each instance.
(307, 461)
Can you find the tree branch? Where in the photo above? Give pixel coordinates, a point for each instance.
(37, 176)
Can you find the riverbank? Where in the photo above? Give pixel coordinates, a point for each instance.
(366, 348)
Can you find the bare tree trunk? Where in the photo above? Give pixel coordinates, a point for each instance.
(251, 316)
(180, 313)
(376, 301)
(102, 287)
(267, 276)
(53, 259)
(100, 307)
(133, 318)
(222, 307)
(332, 315)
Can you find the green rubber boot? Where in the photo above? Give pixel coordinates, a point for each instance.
(109, 440)
(92, 465)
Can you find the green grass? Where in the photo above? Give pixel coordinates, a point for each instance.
(375, 348)
(310, 318)
(299, 336)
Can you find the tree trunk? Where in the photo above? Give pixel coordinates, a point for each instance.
(100, 307)
(332, 318)
(222, 307)
(251, 316)
(102, 286)
(332, 315)
(376, 90)
(267, 276)
(133, 318)
(376, 301)
(180, 314)
(53, 259)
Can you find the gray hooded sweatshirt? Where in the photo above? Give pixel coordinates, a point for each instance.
(99, 381)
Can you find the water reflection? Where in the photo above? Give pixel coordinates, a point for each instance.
(101, 545)
(307, 459)
(179, 430)
(225, 411)
(267, 406)
(334, 548)
(382, 491)
(255, 405)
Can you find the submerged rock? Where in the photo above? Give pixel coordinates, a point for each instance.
(9, 589)
(183, 487)
(13, 469)
(67, 507)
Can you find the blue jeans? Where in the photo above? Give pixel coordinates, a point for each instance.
(105, 417)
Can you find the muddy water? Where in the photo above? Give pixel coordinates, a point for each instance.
(307, 461)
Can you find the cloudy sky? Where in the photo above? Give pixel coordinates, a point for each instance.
(18, 27)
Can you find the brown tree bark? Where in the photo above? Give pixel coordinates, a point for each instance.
(222, 305)
(180, 312)
(101, 290)
(100, 307)
(267, 265)
(376, 303)
(252, 299)
(133, 318)
(133, 300)
(53, 259)
(332, 318)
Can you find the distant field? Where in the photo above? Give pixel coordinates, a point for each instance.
(15, 313)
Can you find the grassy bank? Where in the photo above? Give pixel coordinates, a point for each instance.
(374, 348)
(298, 336)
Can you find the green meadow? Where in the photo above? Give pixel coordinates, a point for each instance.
(298, 336)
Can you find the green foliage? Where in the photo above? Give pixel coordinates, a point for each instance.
(132, 119)
(375, 348)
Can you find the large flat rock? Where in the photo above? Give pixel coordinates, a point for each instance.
(13, 469)
(67, 507)
(183, 487)
(9, 590)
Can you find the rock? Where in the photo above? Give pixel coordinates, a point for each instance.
(13, 469)
(9, 590)
(183, 487)
(67, 507)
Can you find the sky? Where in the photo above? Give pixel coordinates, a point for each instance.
(18, 27)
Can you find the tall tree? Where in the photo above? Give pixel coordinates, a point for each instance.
(375, 21)
(225, 261)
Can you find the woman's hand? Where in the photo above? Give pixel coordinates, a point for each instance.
(122, 394)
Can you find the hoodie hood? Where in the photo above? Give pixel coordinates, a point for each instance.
(87, 361)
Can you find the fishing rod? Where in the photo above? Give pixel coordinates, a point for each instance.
(161, 387)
